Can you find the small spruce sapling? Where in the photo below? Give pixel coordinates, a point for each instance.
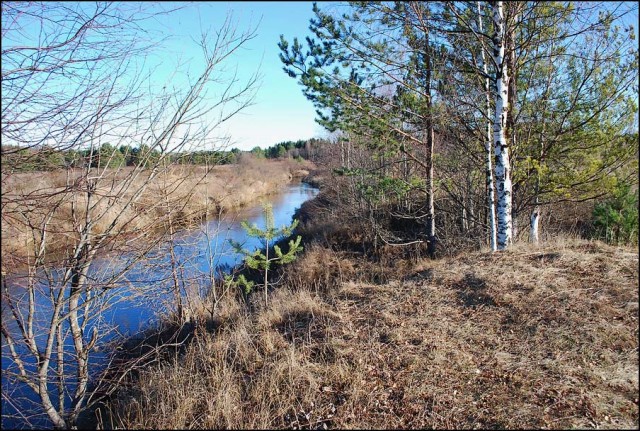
(262, 261)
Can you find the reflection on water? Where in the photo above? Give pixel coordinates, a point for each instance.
(144, 291)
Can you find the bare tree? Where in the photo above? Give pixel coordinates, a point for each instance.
(72, 80)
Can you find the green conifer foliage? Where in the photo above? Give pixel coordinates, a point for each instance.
(262, 261)
(616, 219)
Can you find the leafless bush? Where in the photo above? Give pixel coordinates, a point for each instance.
(77, 85)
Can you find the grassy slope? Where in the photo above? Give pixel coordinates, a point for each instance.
(529, 338)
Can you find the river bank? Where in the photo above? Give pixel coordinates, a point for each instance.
(181, 195)
(536, 337)
(141, 307)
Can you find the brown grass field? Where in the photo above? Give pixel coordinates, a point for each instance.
(188, 192)
(534, 337)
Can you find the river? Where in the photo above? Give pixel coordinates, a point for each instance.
(144, 294)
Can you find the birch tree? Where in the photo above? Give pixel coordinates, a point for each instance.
(469, 99)
(575, 65)
(490, 188)
(501, 145)
(578, 66)
(557, 80)
(483, 88)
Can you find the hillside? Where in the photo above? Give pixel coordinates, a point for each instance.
(543, 337)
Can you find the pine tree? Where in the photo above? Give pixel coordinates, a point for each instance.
(372, 75)
(262, 261)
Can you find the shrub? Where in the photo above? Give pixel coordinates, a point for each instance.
(260, 260)
(616, 219)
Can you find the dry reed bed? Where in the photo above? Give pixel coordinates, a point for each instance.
(186, 193)
(542, 337)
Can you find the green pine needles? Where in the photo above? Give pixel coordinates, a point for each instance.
(263, 261)
(616, 219)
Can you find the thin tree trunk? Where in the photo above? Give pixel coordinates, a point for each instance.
(534, 227)
(513, 78)
(177, 291)
(43, 369)
(491, 202)
(535, 213)
(503, 174)
(535, 221)
(82, 354)
(431, 219)
(58, 421)
(471, 214)
(60, 367)
(465, 220)
(431, 226)
(266, 272)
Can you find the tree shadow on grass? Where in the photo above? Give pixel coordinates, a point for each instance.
(471, 291)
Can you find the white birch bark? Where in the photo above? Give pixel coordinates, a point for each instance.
(535, 220)
(503, 174)
(491, 203)
(534, 227)
(431, 218)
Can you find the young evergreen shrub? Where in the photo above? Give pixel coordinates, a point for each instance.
(616, 219)
(263, 261)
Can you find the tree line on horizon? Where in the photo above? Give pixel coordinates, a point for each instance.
(44, 158)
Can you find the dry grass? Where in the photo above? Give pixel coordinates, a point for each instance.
(253, 372)
(523, 339)
(187, 192)
(536, 337)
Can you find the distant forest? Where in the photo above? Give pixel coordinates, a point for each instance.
(45, 158)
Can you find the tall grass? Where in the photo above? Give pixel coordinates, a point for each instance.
(529, 338)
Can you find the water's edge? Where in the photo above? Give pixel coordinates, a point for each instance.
(141, 305)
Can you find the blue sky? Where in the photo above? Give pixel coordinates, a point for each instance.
(280, 111)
